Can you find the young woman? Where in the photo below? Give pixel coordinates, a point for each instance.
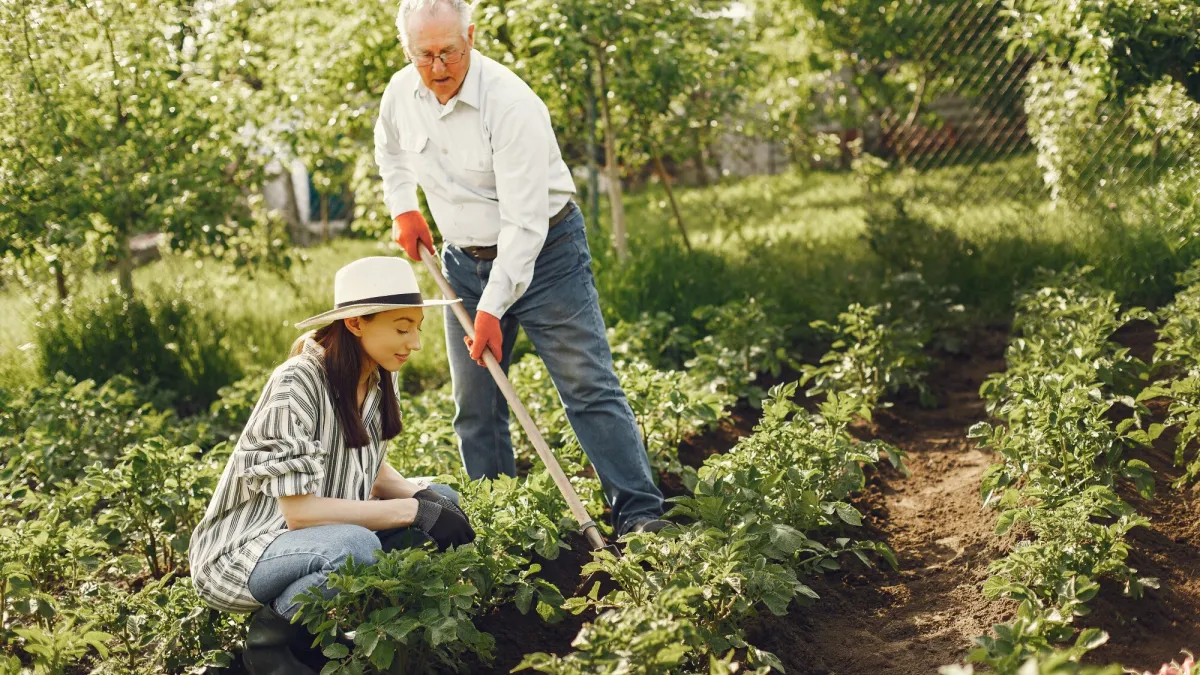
(307, 486)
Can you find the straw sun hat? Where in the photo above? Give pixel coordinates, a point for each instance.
(370, 285)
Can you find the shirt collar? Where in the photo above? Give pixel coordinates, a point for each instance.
(471, 89)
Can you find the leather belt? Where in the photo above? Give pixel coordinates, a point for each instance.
(489, 252)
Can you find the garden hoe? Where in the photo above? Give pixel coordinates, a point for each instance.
(560, 479)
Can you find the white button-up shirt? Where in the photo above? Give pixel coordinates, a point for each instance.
(488, 162)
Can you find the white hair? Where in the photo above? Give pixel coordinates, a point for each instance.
(410, 7)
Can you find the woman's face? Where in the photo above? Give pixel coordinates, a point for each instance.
(389, 337)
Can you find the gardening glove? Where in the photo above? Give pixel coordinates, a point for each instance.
(410, 230)
(445, 526)
(487, 334)
(431, 495)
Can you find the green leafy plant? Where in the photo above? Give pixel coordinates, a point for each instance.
(670, 406)
(164, 626)
(742, 341)
(411, 611)
(63, 643)
(878, 350)
(156, 495)
(797, 468)
(659, 637)
(51, 433)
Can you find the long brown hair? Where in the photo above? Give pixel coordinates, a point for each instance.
(343, 361)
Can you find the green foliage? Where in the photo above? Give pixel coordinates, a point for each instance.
(1134, 43)
(723, 574)
(1129, 70)
(125, 119)
(48, 548)
(1177, 354)
(411, 611)
(669, 407)
(658, 637)
(427, 445)
(1067, 550)
(231, 411)
(64, 642)
(1027, 645)
(798, 468)
(1062, 455)
(742, 341)
(656, 339)
(164, 626)
(51, 433)
(512, 518)
(871, 357)
(178, 347)
(156, 494)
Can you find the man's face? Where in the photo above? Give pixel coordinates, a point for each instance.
(435, 31)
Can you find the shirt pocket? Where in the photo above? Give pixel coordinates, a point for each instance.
(413, 141)
(477, 168)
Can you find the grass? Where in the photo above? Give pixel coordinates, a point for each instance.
(806, 243)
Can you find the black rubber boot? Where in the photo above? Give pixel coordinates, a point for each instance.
(268, 650)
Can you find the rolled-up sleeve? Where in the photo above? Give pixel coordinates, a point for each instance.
(395, 167)
(521, 139)
(279, 454)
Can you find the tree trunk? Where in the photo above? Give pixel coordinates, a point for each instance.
(698, 160)
(324, 218)
(60, 280)
(593, 170)
(125, 267)
(291, 211)
(614, 171)
(666, 181)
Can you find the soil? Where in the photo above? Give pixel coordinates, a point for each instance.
(1147, 632)
(926, 613)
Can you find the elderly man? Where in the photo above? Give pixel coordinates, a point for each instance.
(479, 142)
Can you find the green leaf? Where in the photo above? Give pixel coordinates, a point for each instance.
(382, 657)
(848, 514)
(336, 650)
(1091, 638)
(443, 631)
(1006, 520)
(523, 598)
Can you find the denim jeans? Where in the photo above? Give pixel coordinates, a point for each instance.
(300, 559)
(560, 312)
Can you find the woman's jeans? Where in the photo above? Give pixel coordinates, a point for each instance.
(560, 312)
(300, 559)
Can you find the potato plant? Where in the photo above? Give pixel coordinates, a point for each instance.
(1177, 357)
(878, 350)
(1061, 458)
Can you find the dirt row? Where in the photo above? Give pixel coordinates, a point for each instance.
(927, 613)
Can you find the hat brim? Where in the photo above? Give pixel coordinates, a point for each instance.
(361, 310)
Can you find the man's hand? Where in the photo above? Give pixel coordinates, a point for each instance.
(487, 335)
(411, 229)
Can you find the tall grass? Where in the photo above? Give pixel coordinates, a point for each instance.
(809, 243)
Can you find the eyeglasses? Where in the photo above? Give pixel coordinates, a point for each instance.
(448, 58)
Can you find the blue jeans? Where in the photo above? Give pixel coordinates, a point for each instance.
(560, 312)
(300, 559)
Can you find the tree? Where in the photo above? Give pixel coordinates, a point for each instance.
(663, 70)
(125, 121)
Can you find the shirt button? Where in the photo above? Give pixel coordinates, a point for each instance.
(445, 151)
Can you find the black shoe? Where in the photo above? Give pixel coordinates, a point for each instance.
(268, 645)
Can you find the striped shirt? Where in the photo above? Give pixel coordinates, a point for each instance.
(292, 445)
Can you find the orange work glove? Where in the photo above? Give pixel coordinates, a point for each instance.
(487, 335)
(410, 229)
